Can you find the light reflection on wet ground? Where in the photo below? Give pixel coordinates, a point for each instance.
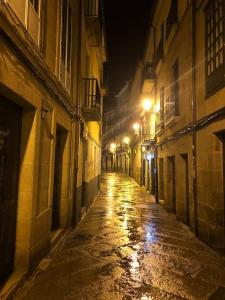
(128, 247)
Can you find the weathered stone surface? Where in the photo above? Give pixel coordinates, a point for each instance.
(128, 247)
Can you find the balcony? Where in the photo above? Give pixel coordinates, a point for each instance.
(159, 52)
(171, 18)
(122, 148)
(92, 100)
(147, 134)
(148, 77)
(93, 18)
(171, 108)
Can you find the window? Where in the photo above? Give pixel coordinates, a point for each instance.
(171, 18)
(160, 51)
(35, 4)
(31, 15)
(66, 35)
(214, 38)
(172, 102)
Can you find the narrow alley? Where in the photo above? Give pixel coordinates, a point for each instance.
(128, 247)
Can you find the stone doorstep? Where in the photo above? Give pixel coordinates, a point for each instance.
(12, 284)
(18, 277)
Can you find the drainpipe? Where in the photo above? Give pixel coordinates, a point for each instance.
(194, 183)
(77, 128)
(156, 147)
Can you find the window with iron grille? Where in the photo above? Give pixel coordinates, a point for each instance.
(214, 42)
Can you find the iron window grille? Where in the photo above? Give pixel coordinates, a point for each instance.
(92, 96)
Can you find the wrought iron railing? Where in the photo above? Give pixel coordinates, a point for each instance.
(171, 107)
(92, 96)
(122, 148)
(148, 71)
(146, 131)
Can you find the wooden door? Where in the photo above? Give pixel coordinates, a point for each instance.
(57, 181)
(10, 132)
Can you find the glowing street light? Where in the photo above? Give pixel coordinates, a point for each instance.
(147, 104)
(126, 140)
(112, 147)
(136, 126)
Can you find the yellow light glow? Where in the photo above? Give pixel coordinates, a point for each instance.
(147, 104)
(126, 140)
(112, 147)
(136, 126)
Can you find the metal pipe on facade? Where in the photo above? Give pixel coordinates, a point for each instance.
(194, 141)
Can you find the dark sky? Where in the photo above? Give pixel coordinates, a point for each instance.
(126, 29)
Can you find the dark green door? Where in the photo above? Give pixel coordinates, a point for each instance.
(10, 131)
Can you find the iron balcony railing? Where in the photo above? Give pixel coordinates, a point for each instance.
(171, 108)
(171, 18)
(146, 132)
(122, 148)
(148, 72)
(92, 96)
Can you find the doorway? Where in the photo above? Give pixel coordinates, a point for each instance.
(153, 176)
(143, 172)
(172, 182)
(186, 188)
(10, 132)
(161, 179)
(59, 149)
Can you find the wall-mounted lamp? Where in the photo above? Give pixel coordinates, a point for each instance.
(44, 111)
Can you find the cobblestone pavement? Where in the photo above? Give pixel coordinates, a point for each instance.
(128, 247)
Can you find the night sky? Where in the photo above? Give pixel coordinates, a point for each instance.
(126, 29)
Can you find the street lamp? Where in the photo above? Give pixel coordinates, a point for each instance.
(136, 126)
(126, 140)
(147, 104)
(112, 147)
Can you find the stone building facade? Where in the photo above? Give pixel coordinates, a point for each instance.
(177, 149)
(185, 50)
(49, 108)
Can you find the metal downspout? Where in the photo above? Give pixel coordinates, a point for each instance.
(194, 141)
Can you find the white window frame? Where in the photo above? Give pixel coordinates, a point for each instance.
(65, 67)
(28, 16)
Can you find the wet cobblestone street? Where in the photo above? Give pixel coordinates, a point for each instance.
(128, 247)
